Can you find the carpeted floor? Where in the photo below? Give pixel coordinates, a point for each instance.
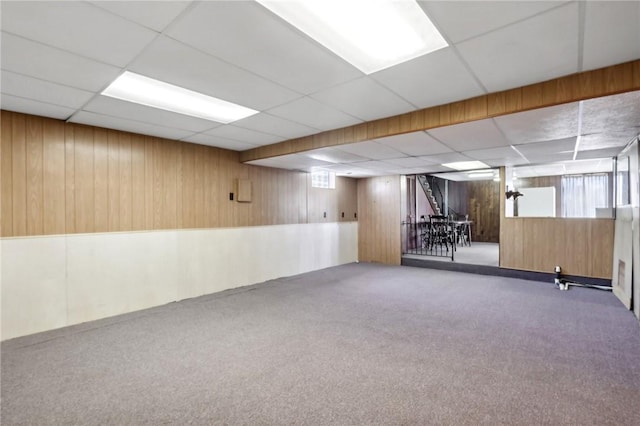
(351, 345)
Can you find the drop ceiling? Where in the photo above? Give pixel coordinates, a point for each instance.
(57, 57)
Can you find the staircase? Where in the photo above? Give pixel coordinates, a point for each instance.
(429, 193)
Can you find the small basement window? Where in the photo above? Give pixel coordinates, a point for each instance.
(323, 179)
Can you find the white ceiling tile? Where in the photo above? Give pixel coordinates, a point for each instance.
(364, 98)
(352, 170)
(105, 105)
(249, 35)
(460, 20)
(173, 62)
(267, 162)
(289, 162)
(599, 153)
(565, 167)
(402, 171)
(303, 161)
(229, 131)
(548, 158)
(601, 165)
(611, 113)
(415, 144)
(209, 140)
(611, 33)
(28, 106)
(334, 155)
(607, 140)
(407, 162)
(312, 113)
(376, 165)
(434, 79)
(472, 135)
(372, 150)
(43, 91)
(534, 50)
(98, 120)
(276, 126)
(419, 170)
(151, 14)
(497, 162)
(493, 153)
(548, 147)
(538, 170)
(542, 124)
(77, 27)
(434, 168)
(46, 63)
(555, 150)
(450, 157)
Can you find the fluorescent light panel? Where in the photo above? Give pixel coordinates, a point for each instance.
(143, 90)
(369, 34)
(466, 165)
(481, 175)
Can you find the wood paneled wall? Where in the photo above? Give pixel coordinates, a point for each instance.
(379, 233)
(484, 210)
(582, 247)
(61, 178)
(324, 206)
(575, 87)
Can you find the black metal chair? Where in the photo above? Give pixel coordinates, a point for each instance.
(441, 233)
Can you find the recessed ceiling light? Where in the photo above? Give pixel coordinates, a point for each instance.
(143, 90)
(480, 175)
(466, 165)
(369, 34)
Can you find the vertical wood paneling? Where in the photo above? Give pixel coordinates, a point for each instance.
(69, 179)
(113, 187)
(54, 177)
(225, 186)
(84, 179)
(35, 173)
(179, 185)
(205, 203)
(484, 210)
(126, 192)
(138, 183)
(582, 247)
(6, 173)
(19, 174)
(149, 211)
(379, 220)
(101, 180)
(160, 178)
(169, 153)
(188, 186)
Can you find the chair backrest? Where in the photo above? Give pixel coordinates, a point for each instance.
(438, 218)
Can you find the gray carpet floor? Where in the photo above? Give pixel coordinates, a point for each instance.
(351, 345)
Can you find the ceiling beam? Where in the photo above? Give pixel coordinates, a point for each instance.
(575, 87)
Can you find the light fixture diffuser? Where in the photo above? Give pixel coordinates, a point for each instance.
(369, 34)
(481, 175)
(147, 91)
(466, 165)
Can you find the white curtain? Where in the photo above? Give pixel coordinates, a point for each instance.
(582, 194)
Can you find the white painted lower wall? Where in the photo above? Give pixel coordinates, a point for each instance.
(55, 281)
